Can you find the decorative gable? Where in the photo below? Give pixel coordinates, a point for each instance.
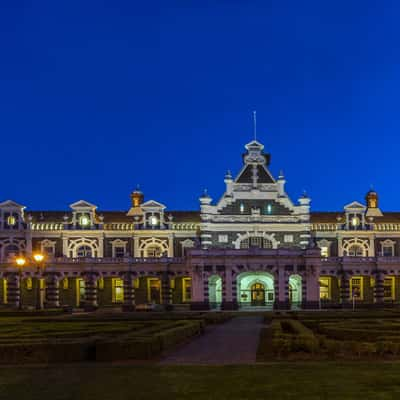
(82, 205)
(355, 206)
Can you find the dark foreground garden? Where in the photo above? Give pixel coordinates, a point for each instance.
(327, 355)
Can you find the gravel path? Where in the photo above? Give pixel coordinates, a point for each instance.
(234, 342)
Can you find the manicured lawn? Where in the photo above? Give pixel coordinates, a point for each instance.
(298, 381)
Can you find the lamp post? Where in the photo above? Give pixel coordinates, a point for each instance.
(20, 261)
(39, 260)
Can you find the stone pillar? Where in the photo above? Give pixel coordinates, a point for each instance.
(200, 292)
(379, 289)
(166, 293)
(91, 303)
(345, 290)
(52, 291)
(227, 299)
(13, 290)
(129, 292)
(282, 292)
(310, 287)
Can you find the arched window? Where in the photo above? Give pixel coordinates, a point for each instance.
(355, 251)
(11, 250)
(84, 251)
(155, 251)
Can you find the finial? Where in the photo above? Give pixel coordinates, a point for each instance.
(281, 175)
(255, 124)
(228, 174)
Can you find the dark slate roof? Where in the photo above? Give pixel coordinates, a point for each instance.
(47, 216)
(111, 216)
(331, 217)
(247, 175)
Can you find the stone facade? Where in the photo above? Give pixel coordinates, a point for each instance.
(252, 247)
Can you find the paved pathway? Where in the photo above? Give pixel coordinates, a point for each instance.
(234, 342)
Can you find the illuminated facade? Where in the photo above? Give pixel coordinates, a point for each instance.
(254, 247)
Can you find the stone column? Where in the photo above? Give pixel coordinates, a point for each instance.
(91, 303)
(52, 290)
(379, 295)
(129, 292)
(345, 290)
(13, 290)
(282, 294)
(228, 302)
(310, 286)
(166, 293)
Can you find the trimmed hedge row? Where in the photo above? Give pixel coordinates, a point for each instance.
(124, 347)
(147, 348)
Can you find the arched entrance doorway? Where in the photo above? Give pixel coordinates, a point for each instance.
(295, 289)
(215, 291)
(255, 289)
(257, 294)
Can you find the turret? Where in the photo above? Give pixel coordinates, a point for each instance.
(137, 197)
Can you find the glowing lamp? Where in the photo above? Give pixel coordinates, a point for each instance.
(20, 261)
(38, 257)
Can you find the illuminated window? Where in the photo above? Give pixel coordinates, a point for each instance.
(84, 220)
(241, 207)
(153, 220)
(118, 290)
(82, 290)
(324, 289)
(100, 283)
(388, 291)
(65, 284)
(29, 284)
(268, 209)
(324, 251)
(11, 220)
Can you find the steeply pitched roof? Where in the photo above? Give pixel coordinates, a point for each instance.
(246, 175)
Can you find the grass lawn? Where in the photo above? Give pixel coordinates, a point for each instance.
(298, 381)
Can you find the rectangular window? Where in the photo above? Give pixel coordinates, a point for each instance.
(119, 252)
(223, 238)
(324, 289)
(288, 238)
(388, 288)
(387, 251)
(118, 290)
(324, 251)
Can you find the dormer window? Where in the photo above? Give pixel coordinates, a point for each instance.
(84, 221)
(355, 222)
(153, 220)
(11, 221)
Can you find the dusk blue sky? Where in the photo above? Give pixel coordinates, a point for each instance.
(98, 96)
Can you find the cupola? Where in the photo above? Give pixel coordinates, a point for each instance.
(137, 197)
(371, 199)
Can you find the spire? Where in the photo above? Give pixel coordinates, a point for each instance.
(255, 124)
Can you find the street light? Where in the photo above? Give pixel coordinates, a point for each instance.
(39, 258)
(20, 261)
